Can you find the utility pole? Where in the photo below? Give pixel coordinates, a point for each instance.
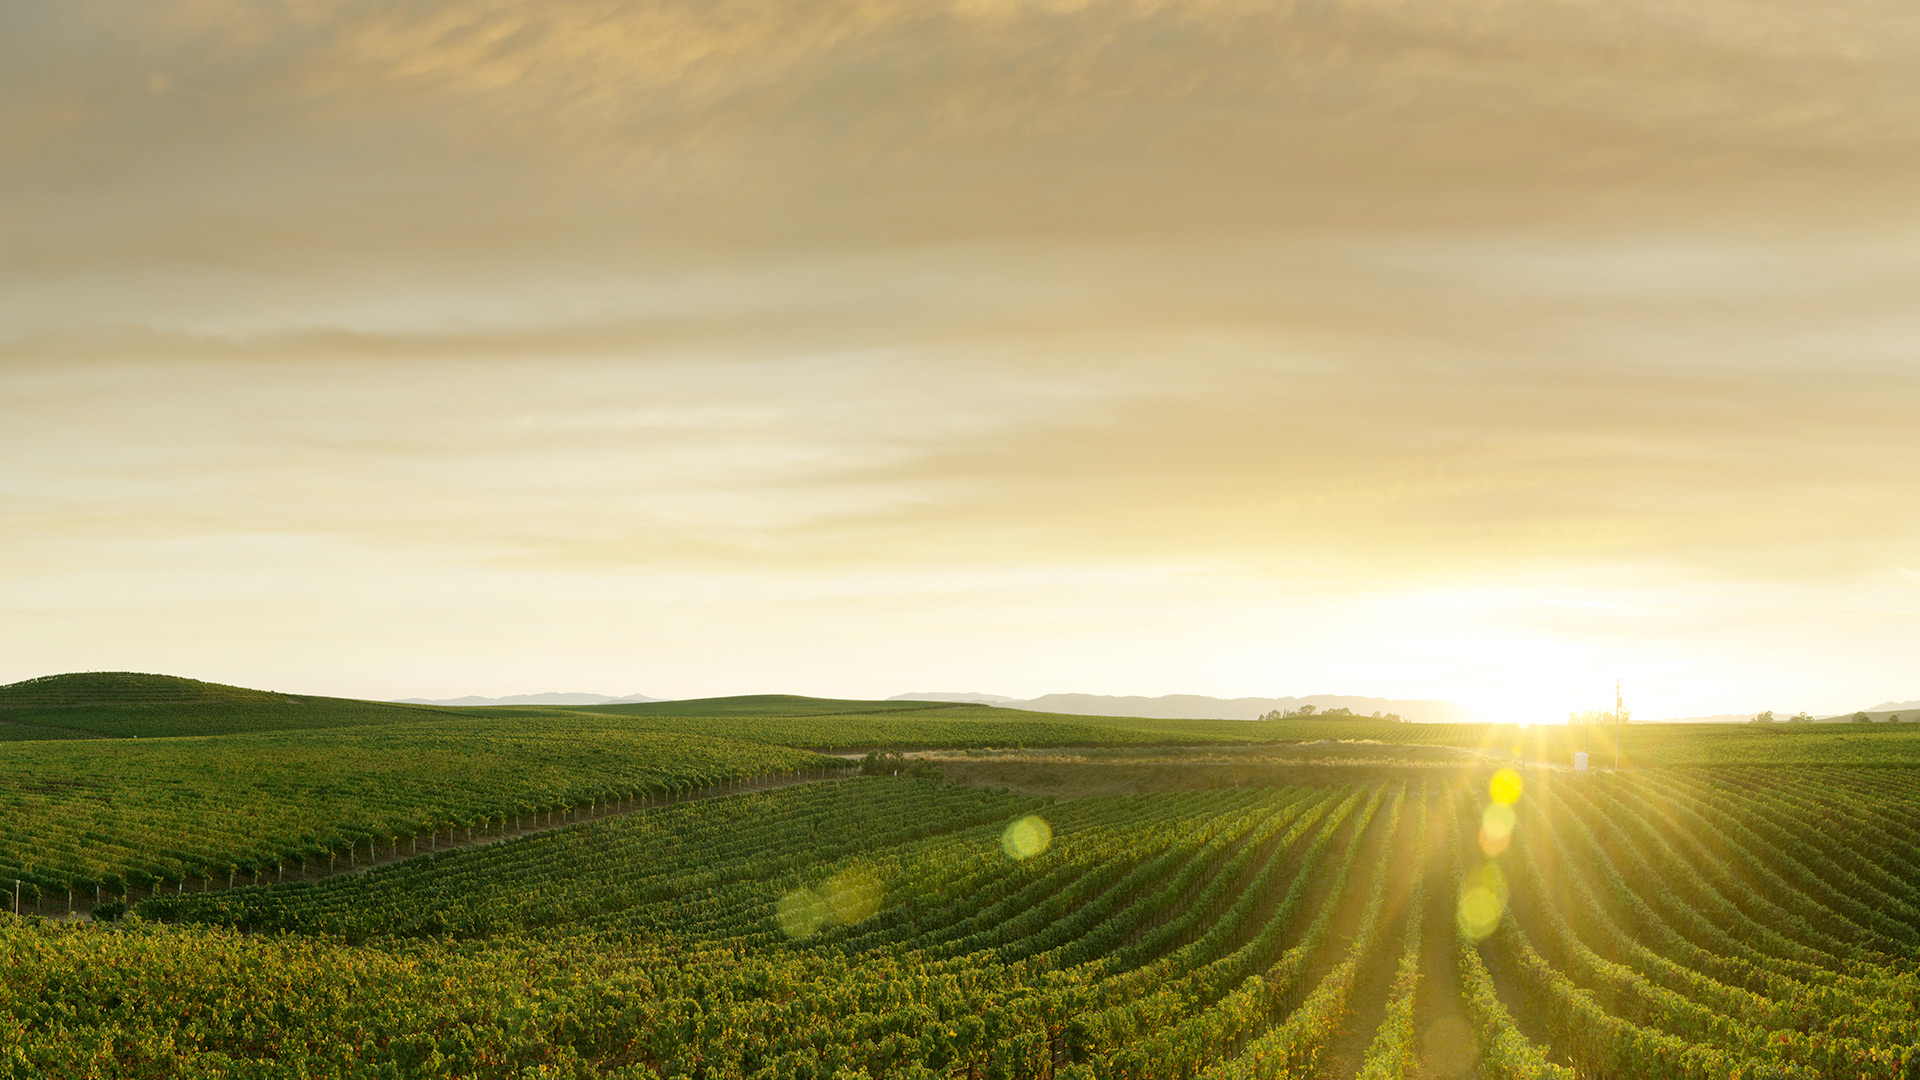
(1619, 710)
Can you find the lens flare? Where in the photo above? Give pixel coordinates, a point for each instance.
(1496, 828)
(852, 895)
(1483, 899)
(1026, 837)
(801, 913)
(1505, 788)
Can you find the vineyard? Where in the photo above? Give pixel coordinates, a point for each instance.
(1234, 933)
(125, 816)
(564, 893)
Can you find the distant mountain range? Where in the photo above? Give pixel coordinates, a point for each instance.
(1200, 707)
(533, 699)
(967, 698)
(1167, 707)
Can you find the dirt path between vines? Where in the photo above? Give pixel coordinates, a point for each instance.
(1528, 1017)
(1367, 1001)
(1449, 1047)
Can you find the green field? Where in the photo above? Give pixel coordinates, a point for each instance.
(1303, 900)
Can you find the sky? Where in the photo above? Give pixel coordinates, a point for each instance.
(1488, 351)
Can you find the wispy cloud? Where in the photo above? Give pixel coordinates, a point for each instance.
(1188, 323)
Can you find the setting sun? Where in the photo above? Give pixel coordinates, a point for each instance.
(960, 539)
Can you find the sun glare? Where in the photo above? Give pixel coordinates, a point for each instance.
(1027, 837)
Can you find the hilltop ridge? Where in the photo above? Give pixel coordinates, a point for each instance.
(125, 704)
(551, 698)
(87, 689)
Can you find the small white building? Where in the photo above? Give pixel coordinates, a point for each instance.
(1580, 761)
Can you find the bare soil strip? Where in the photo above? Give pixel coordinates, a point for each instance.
(1527, 1016)
(1449, 1048)
(1351, 906)
(1367, 1001)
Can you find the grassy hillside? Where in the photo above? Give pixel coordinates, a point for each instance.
(853, 724)
(86, 689)
(122, 704)
(126, 704)
(762, 705)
